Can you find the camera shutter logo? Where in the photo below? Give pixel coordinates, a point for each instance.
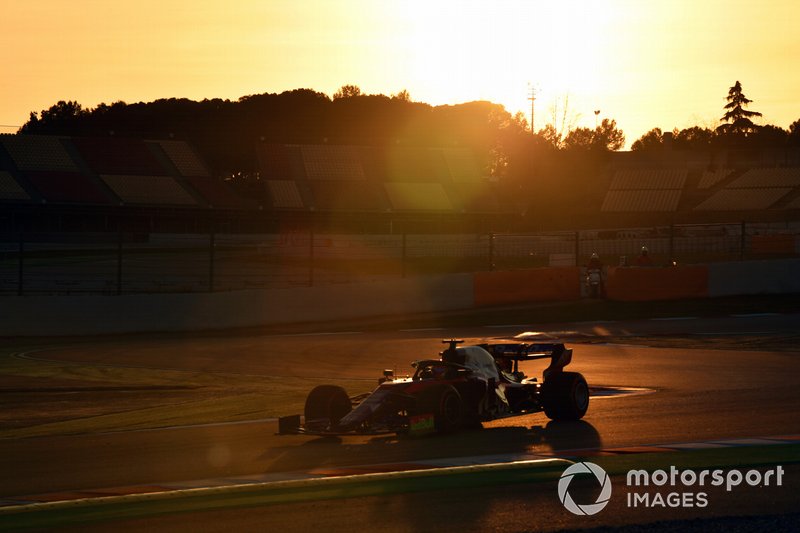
(586, 509)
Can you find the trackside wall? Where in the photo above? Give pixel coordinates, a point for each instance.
(48, 315)
(657, 283)
(754, 277)
(520, 286)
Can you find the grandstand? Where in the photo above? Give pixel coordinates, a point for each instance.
(709, 178)
(148, 190)
(371, 186)
(68, 188)
(185, 159)
(10, 189)
(369, 179)
(38, 153)
(285, 194)
(428, 197)
(645, 190)
(755, 189)
(97, 172)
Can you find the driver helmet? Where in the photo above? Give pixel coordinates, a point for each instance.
(644, 250)
(595, 256)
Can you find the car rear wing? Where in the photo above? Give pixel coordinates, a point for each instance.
(523, 351)
(559, 355)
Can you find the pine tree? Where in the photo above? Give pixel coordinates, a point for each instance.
(736, 117)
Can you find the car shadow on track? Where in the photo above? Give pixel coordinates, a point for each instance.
(344, 451)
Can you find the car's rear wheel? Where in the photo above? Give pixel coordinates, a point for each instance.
(565, 396)
(326, 405)
(444, 403)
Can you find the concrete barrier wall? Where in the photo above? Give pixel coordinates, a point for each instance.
(48, 315)
(754, 277)
(657, 283)
(521, 286)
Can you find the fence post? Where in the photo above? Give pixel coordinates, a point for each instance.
(211, 245)
(671, 257)
(311, 257)
(403, 257)
(743, 240)
(491, 252)
(119, 261)
(20, 263)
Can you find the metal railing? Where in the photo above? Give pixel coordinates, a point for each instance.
(122, 262)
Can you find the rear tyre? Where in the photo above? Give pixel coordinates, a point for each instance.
(565, 396)
(327, 403)
(445, 404)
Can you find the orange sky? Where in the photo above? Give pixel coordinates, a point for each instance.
(644, 63)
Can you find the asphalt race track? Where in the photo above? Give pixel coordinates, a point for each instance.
(700, 395)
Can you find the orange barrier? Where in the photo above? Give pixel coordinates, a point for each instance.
(772, 244)
(520, 286)
(655, 283)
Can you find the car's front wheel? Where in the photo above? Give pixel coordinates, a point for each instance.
(565, 396)
(326, 405)
(444, 403)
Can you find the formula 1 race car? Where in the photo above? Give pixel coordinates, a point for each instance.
(466, 386)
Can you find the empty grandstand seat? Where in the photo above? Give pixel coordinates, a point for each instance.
(417, 197)
(324, 162)
(462, 165)
(743, 199)
(218, 194)
(710, 178)
(641, 201)
(38, 152)
(149, 190)
(409, 164)
(127, 157)
(280, 161)
(347, 196)
(474, 197)
(285, 194)
(767, 177)
(67, 187)
(648, 178)
(184, 158)
(10, 189)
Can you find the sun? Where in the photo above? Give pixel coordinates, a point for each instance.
(466, 50)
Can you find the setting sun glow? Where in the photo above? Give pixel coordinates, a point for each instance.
(644, 64)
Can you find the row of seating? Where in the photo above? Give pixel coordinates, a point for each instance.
(357, 163)
(756, 189)
(648, 179)
(642, 201)
(388, 196)
(108, 171)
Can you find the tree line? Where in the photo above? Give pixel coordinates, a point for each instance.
(225, 131)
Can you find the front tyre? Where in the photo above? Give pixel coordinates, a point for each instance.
(445, 404)
(565, 396)
(326, 405)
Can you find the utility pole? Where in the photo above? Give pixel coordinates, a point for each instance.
(532, 98)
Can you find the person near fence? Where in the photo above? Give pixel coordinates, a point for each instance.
(594, 277)
(644, 259)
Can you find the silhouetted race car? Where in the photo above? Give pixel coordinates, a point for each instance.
(466, 386)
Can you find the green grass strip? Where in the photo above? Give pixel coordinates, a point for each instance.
(115, 508)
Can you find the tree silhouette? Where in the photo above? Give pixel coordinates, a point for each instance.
(737, 118)
(347, 91)
(652, 140)
(605, 137)
(62, 114)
